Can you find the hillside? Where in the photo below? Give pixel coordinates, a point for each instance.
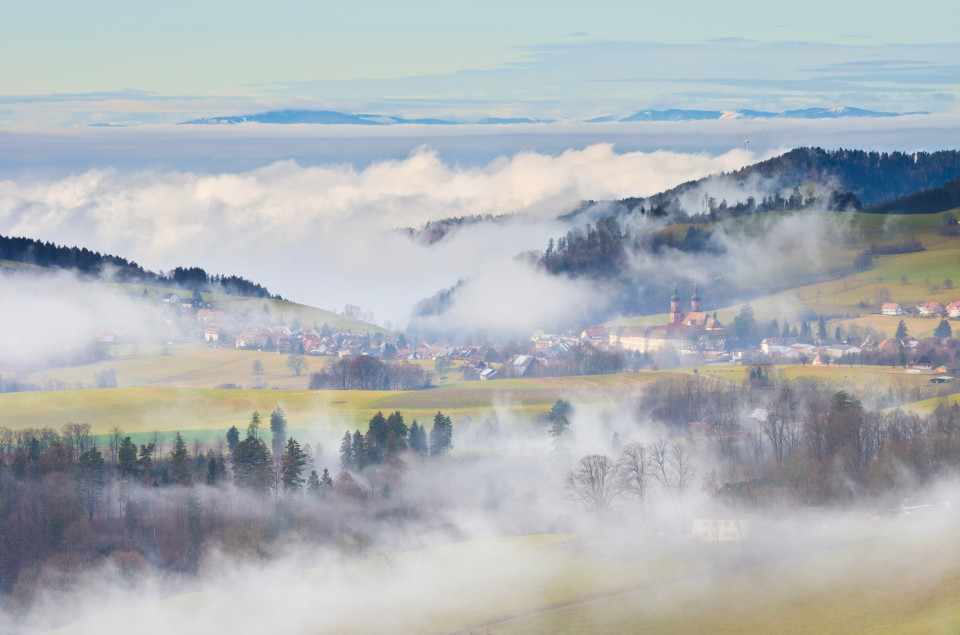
(925, 202)
(870, 177)
(116, 268)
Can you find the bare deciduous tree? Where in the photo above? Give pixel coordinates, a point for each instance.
(635, 469)
(672, 467)
(594, 485)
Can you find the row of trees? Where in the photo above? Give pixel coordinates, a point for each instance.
(366, 372)
(389, 436)
(598, 481)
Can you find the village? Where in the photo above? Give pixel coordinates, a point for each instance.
(688, 339)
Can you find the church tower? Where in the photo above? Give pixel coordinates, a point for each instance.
(675, 316)
(695, 300)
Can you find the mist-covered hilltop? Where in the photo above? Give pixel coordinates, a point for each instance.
(92, 263)
(867, 178)
(631, 250)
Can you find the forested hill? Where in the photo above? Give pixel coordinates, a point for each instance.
(932, 201)
(95, 264)
(867, 177)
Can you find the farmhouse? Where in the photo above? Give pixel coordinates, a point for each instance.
(692, 332)
(953, 309)
(930, 309)
(891, 308)
(524, 366)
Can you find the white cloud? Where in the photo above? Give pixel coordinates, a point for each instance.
(323, 234)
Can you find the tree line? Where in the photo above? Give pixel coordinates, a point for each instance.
(389, 436)
(94, 264)
(365, 372)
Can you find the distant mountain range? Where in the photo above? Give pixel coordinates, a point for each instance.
(333, 117)
(805, 113)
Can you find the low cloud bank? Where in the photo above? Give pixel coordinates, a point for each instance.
(324, 235)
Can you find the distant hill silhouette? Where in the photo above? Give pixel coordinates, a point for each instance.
(95, 264)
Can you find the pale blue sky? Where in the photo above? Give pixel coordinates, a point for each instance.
(441, 56)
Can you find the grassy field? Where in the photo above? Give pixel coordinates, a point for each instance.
(186, 366)
(322, 414)
(890, 586)
(171, 403)
(193, 366)
(888, 575)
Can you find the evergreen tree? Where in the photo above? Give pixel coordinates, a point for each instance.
(233, 438)
(313, 483)
(253, 428)
(360, 459)
(251, 464)
(821, 330)
(561, 408)
(397, 433)
(418, 438)
(901, 330)
(179, 470)
(127, 457)
(145, 459)
(943, 330)
(278, 428)
(441, 435)
(326, 482)
(347, 460)
(374, 453)
(292, 463)
(378, 428)
(212, 471)
(559, 432)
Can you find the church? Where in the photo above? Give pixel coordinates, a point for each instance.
(692, 332)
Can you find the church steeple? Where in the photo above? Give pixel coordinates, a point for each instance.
(675, 306)
(695, 300)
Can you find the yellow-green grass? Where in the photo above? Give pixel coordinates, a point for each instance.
(187, 366)
(195, 366)
(927, 406)
(859, 375)
(867, 581)
(291, 311)
(324, 413)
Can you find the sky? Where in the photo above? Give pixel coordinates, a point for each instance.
(90, 95)
(68, 64)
